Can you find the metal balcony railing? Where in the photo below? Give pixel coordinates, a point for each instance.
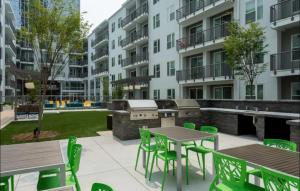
(134, 37)
(100, 70)
(78, 63)
(192, 7)
(77, 75)
(26, 59)
(134, 14)
(11, 44)
(10, 23)
(99, 38)
(289, 60)
(134, 59)
(208, 71)
(10, 83)
(99, 54)
(201, 37)
(284, 9)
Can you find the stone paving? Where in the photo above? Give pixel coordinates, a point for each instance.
(108, 160)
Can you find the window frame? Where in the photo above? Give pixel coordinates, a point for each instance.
(113, 61)
(292, 85)
(156, 21)
(172, 93)
(294, 48)
(222, 92)
(156, 94)
(156, 71)
(171, 68)
(156, 46)
(113, 27)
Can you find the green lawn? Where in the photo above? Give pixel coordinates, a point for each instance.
(79, 124)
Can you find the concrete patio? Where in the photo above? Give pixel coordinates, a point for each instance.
(108, 160)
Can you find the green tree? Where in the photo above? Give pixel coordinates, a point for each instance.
(117, 92)
(54, 31)
(245, 49)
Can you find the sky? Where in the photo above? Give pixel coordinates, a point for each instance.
(99, 10)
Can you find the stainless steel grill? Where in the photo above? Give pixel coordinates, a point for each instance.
(142, 109)
(187, 108)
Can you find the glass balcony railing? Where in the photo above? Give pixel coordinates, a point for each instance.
(284, 9)
(99, 38)
(130, 39)
(99, 54)
(134, 14)
(288, 60)
(100, 70)
(135, 59)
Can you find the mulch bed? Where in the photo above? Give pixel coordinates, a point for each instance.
(29, 136)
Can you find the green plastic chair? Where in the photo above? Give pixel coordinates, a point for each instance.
(162, 152)
(146, 146)
(230, 174)
(71, 142)
(276, 143)
(275, 181)
(101, 187)
(52, 180)
(4, 183)
(202, 149)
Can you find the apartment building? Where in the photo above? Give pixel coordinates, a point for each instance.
(8, 49)
(174, 49)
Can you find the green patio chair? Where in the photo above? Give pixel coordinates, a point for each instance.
(71, 142)
(276, 143)
(4, 183)
(162, 152)
(276, 181)
(101, 187)
(202, 149)
(49, 181)
(146, 146)
(230, 174)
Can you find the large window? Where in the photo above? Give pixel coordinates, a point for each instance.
(295, 88)
(156, 21)
(156, 46)
(257, 91)
(170, 40)
(156, 94)
(156, 71)
(223, 92)
(195, 93)
(196, 66)
(171, 93)
(250, 89)
(254, 10)
(260, 91)
(113, 60)
(171, 68)
(295, 38)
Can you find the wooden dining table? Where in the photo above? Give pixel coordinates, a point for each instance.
(32, 157)
(179, 135)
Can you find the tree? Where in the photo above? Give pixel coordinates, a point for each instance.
(54, 31)
(117, 92)
(245, 50)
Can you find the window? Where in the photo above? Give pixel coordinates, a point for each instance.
(156, 94)
(295, 38)
(113, 27)
(170, 40)
(156, 46)
(248, 92)
(223, 92)
(156, 21)
(295, 87)
(132, 73)
(171, 68)
(171, 93)
(113, 46)
(196, 93)
(156, 71)
(119, 22)
(120, 76)
(113, 78)
(155, 1)
(144, 71)
(113, 61)
(254, 10)
(119, 59)
(119, 40)
(260, 91)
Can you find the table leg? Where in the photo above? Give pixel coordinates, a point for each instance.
(62, 175)
(216, 148)
(179, 167)
(144, 159)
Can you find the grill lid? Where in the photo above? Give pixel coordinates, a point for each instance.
(187, 104)
(144, 105)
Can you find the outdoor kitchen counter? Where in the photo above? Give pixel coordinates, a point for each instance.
(295, 122)
(255, 113)
(121, 112)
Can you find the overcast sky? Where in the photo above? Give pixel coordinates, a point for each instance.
(99, 10)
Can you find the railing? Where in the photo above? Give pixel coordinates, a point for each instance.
(99, 70)
(26, 59)
(136, 36)
(202, 72)
(100, 38)
(11, 44)
(10, 23)
(289, 60)
(284, 9)
(203, 36)
(78, 63)
(78, 75)
(99, 54)
(193, 7)
(134, 59)
(134, 14)
(10, 83)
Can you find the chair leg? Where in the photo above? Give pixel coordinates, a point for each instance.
(164, 176)
(197, 154)
(187, 170)
(137, 157)
(12, 181)
(173, 168)
(148, 158)
(157, 162)
(154, 156)
(168, 167)
(203, 162)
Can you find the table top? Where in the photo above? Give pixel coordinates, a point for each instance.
(30, 157)
(181, 134)
(277, 159)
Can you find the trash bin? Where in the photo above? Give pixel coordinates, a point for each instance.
(109, 122)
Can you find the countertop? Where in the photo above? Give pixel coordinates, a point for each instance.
(295, 122)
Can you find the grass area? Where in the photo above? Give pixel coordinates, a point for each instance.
(79, 124)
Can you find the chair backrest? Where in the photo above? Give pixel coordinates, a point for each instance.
(101, 187)
(189, 125)
(208, 129)
(71, 142)
(161, 143)
(281, 144)
(275, 181)
(230, 169)
(145, 136)
(75, 158)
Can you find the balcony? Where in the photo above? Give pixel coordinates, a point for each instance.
(285, 14)
(100, 71)
(11, 47)
(10, 27)
(206, 38)
(100, 55)
(193, 11)
(133, 80)
(78, 63)
(99, 40)
(138, 15)
(77, 75)
(135, 60)
(285, 63)
(139, 37)
(205, 73)
(10, 83)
